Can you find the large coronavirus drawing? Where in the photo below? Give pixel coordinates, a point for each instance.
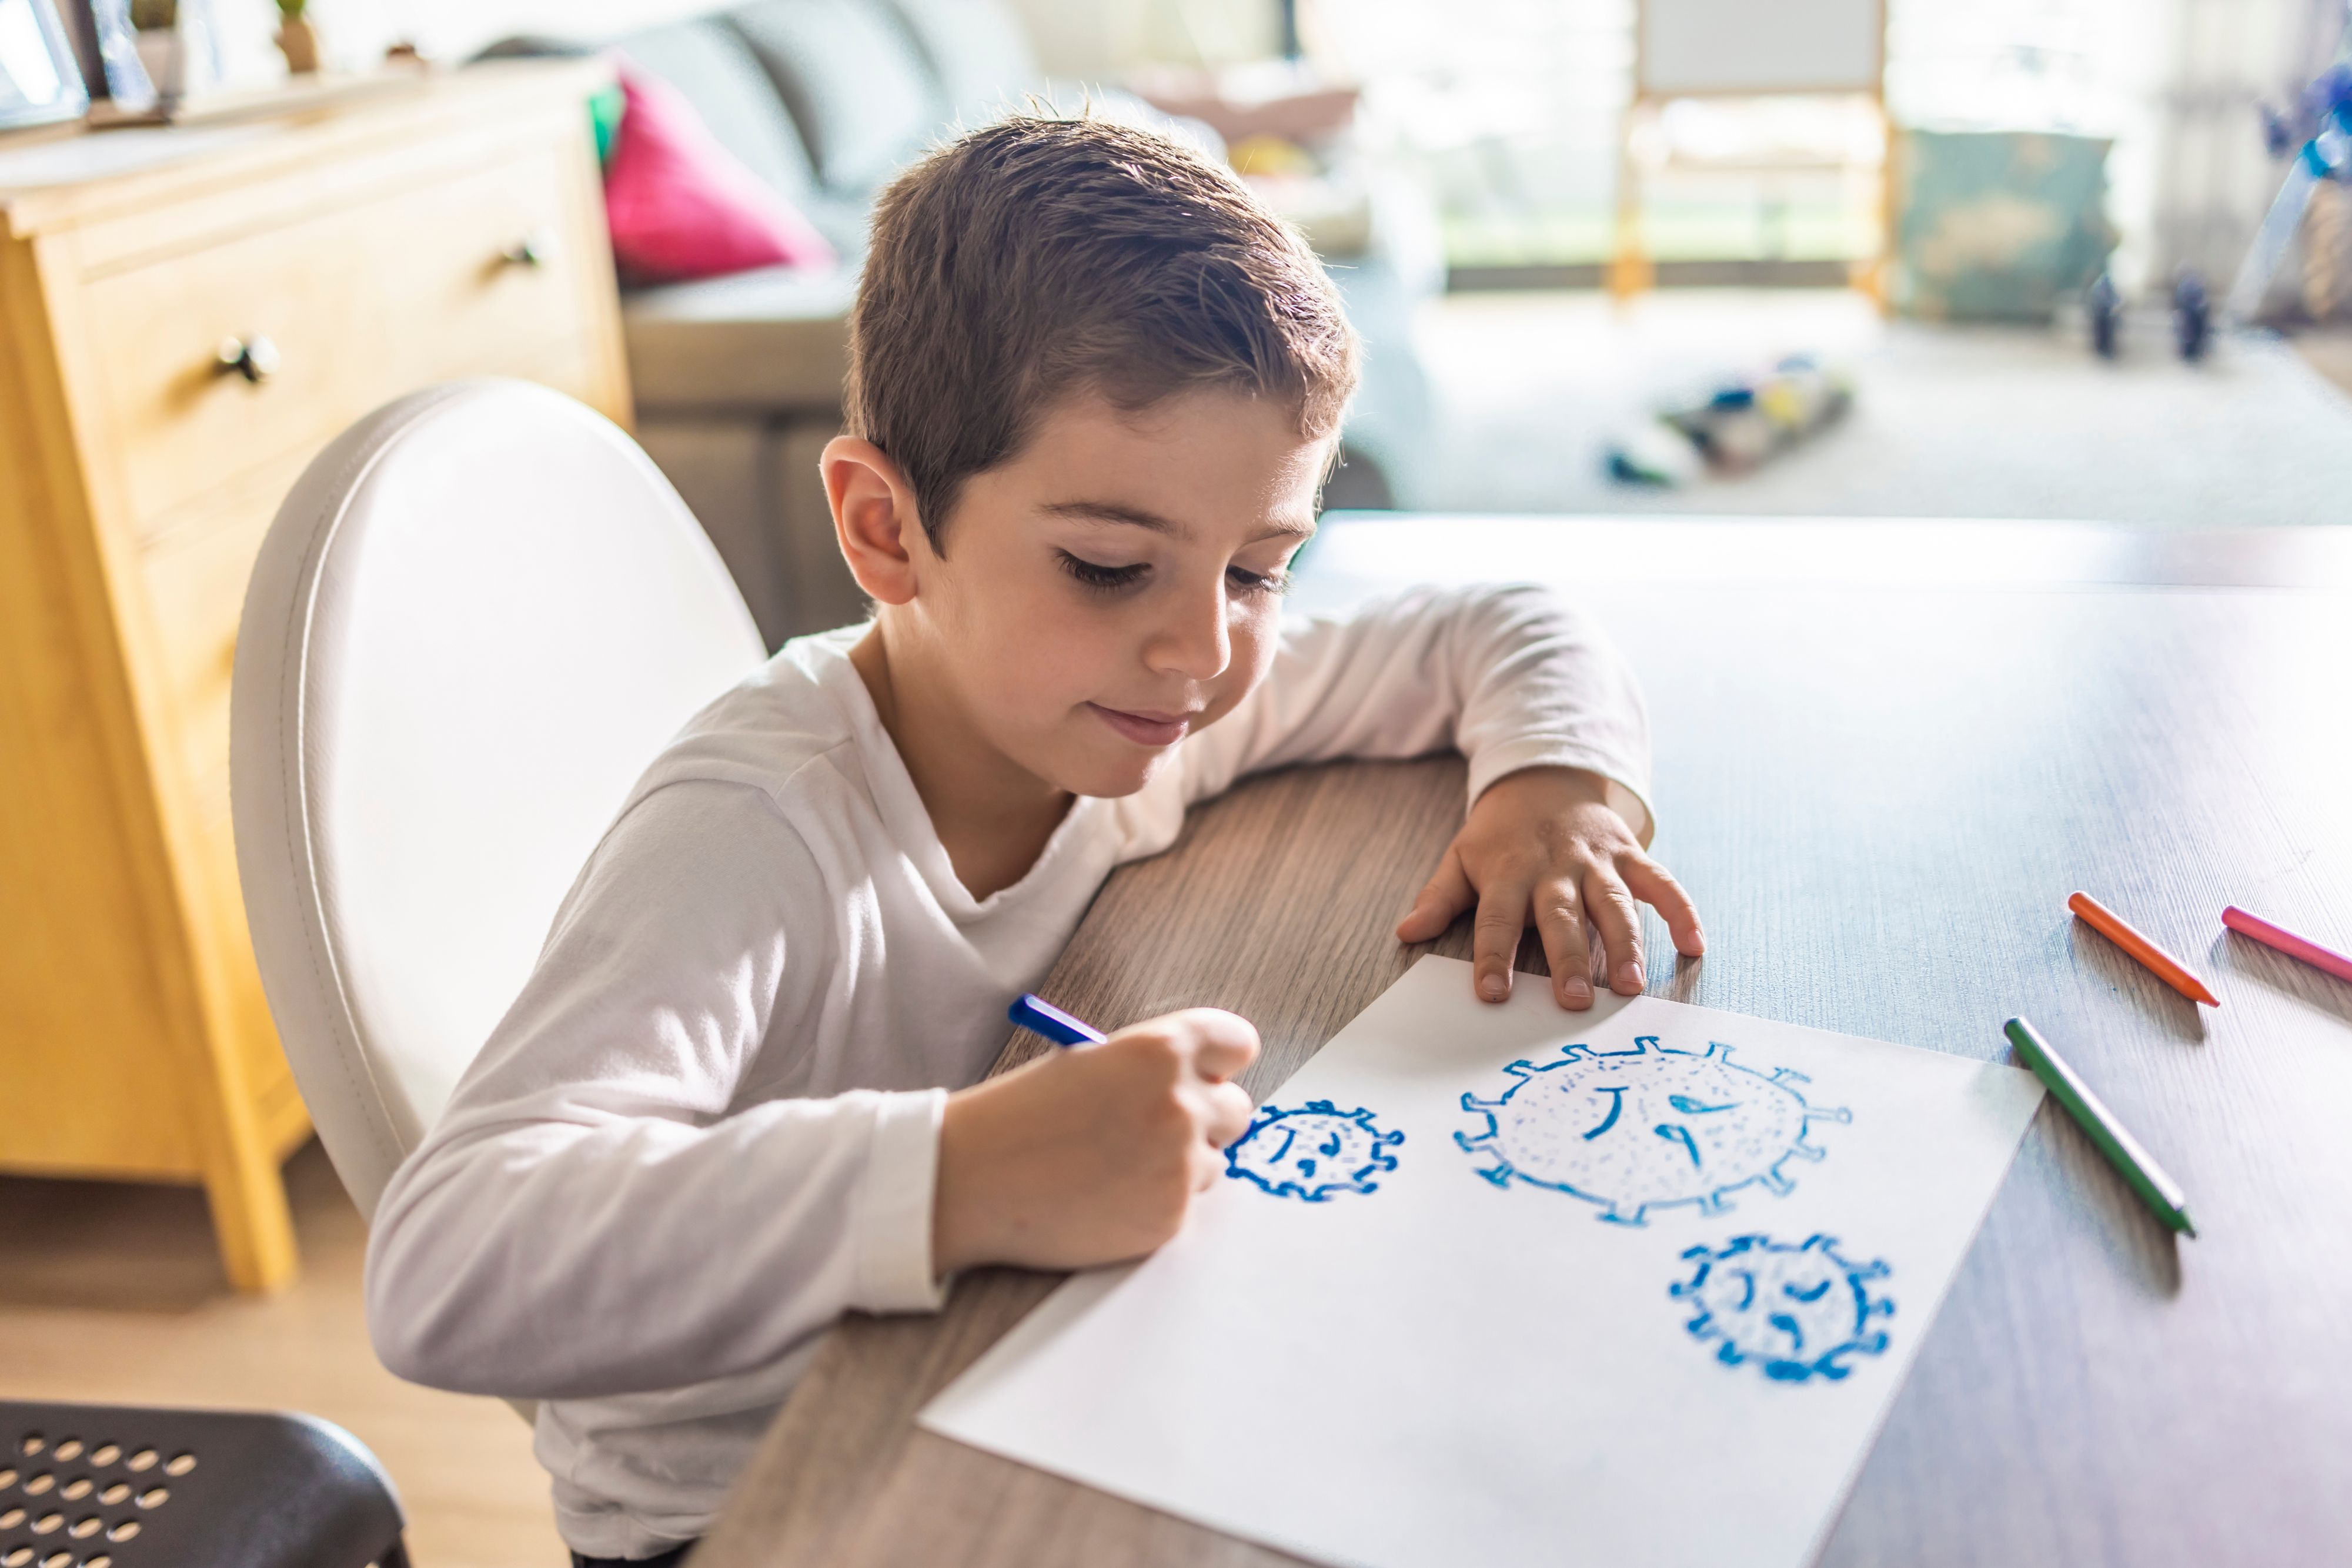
(1312, 1151)
(1645, 1128)
(1797, 1311)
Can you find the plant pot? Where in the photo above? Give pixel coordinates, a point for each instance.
(164, 55)
(299, 42)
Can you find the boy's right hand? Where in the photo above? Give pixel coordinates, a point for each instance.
(1091, 1155)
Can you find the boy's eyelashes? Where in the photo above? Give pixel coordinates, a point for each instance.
(1112, 578)
(1258, 581)
(1095, 574)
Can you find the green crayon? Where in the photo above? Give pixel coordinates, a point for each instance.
(2158, 1190)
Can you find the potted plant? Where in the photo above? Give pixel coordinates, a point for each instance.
(296, 39)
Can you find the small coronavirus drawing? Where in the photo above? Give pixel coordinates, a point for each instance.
(1312, 1151)
(1800, 1311)
(1645, 1128)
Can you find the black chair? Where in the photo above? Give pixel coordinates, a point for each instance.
(109, 1486)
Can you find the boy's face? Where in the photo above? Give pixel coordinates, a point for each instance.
(1117, 585)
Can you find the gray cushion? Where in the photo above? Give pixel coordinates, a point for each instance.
(846, 220)
(774, 339)
(979, 53)
(858, 87)
(710, 64)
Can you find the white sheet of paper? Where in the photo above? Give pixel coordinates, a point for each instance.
(1447, 1369)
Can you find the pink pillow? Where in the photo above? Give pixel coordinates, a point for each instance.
(680, 206)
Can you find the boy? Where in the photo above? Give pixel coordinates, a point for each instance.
(1094, 389)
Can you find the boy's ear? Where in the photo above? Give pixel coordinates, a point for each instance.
(874, 517)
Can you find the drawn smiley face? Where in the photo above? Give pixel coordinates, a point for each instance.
(1312, 1151)
(1798, 1311)
(1635, 1129)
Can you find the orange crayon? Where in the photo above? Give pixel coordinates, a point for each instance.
(2166, 968)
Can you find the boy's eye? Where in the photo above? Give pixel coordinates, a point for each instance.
(1245, 581)
(1094, 574)
(1110, 579)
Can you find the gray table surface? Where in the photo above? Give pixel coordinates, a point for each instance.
(1886, 752)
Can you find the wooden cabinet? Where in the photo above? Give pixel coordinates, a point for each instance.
(187, 315)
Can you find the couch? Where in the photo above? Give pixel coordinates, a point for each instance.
(737, 379)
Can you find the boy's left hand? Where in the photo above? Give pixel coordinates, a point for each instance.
(1543, 844)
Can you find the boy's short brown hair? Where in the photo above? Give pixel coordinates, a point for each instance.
(1042, 255)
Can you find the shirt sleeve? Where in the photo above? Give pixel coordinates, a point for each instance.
(1511, 676)
(590, 1215)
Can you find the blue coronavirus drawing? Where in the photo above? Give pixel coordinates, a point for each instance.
(1312, 1151)
(1798, 1309)
(1645, 1128)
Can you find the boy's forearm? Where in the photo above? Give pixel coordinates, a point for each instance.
(586, 1218)
(1510, 675)
(1544, 686)
(561, 1260)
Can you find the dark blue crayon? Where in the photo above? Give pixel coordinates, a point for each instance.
(1042, 1016)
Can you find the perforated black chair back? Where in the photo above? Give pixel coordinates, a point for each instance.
(108, 1486)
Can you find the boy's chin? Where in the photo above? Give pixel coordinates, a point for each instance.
(1110, 775)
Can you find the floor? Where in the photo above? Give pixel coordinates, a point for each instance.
(111, 1293)
(1946, 422)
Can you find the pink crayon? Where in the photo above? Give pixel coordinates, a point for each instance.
(2287, 942)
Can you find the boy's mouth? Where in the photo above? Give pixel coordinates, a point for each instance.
(1145, 728)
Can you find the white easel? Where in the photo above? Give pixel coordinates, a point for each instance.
(1745, 49)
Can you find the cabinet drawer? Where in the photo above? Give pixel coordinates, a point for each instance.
(481, 273)
(176, 423)
(360, 304)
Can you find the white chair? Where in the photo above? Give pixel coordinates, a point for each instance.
(478, 616)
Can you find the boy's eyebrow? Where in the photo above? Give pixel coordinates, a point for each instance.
(1113, 512)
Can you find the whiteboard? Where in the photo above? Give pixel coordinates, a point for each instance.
(1747, 45)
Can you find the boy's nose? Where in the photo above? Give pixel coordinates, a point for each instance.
(1194, 641)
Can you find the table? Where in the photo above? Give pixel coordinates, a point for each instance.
(1886, 752)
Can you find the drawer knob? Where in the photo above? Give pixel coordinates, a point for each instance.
(254, 358)
(536, 248)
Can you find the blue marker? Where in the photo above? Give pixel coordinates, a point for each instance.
(1036, 1014)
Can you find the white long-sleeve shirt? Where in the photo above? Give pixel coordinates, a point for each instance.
(710, 1123)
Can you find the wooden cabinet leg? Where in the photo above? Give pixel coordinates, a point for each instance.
(251, 1221)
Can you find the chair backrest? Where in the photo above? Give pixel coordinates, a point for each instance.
(479, 615)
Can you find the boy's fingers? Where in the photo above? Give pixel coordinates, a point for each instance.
(1656, 886)
(1446, 895)
(1620, 923)
(1223, 1044)
(1495, 938)
(1225, 1114)
(1559, 921)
